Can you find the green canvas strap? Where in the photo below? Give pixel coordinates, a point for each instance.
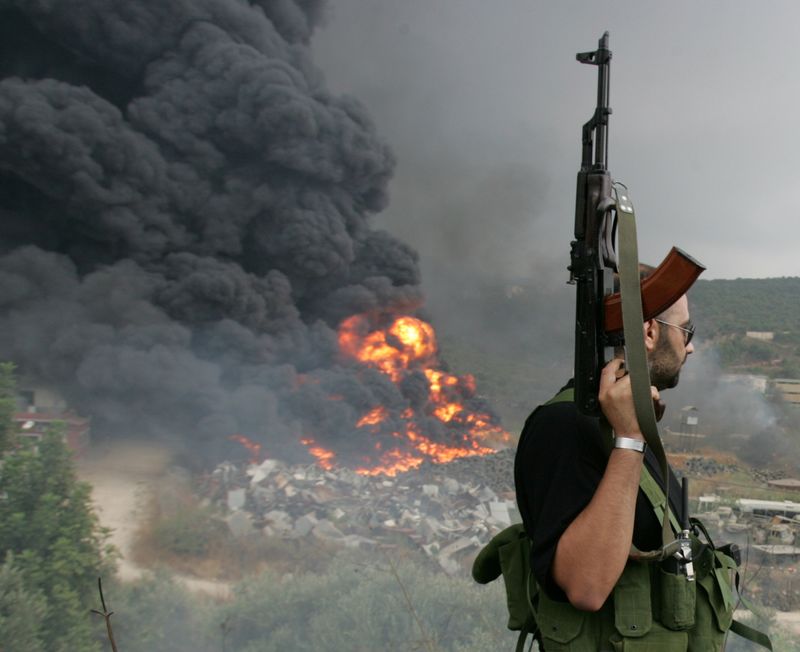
(636, 360)
(566, 395)
(726, 564)
(745, 631)
(656, 497)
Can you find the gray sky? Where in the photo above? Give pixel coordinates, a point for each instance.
(483, 103)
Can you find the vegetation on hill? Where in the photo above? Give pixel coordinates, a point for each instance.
(520, 348)
(52, 547)
(726, 310)
(732, 307)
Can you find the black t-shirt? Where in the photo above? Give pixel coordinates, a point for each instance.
(559, 463)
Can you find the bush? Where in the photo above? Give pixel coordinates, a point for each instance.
(191, 531)
(367, 607)
(156, 614)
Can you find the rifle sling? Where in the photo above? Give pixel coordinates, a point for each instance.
(636, 361)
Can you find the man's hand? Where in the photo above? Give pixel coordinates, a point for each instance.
(616, 399)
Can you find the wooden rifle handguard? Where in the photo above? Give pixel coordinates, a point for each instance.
(668, 283)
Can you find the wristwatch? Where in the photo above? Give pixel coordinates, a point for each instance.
(630, 443)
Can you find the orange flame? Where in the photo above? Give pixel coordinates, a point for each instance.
(409, 344)
(254, 448)
(373, 417)
(324, 457)
(412, 340)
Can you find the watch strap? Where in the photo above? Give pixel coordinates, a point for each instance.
(630, 443)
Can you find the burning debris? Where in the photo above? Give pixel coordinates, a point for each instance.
(187, 246)
(438, 423)
(438, 508)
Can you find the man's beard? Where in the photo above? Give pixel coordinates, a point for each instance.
(665, 363)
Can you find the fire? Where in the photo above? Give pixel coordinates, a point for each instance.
(373, 417)
(406, 346)
(447, 412)
(392, 351)
(392, 463)
(324, 457)
(254, 448)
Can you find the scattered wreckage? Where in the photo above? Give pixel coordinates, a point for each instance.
(449, 510)
(769, 527)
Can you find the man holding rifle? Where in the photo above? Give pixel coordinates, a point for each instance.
(581, 505)
(608, 558)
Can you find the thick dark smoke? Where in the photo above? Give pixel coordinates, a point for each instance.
(186, 217)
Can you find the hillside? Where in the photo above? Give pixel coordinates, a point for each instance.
(726, 310)
(725, 306)
(520, 348)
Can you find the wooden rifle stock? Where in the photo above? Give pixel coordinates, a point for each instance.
(663, 287)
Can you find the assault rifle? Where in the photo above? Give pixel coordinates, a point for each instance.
(598, 313)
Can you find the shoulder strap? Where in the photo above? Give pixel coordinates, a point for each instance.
(566, 395)
(656, 496)
(636, 358)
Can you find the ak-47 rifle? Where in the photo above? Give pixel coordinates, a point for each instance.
(598, 314)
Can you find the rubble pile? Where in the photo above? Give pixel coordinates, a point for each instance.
(494, 471)
(768, 475)
(707, 466)
(450, 510)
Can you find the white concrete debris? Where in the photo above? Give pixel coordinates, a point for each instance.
(448, 518)
(236, 499)
(259, 472)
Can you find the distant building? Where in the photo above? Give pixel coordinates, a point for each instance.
(768, 508)
(39, 408)
(766, 336)
(790, 484)
(787, 388)
(688, 437)
(754, 382)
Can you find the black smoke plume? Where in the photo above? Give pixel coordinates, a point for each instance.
(186, 218)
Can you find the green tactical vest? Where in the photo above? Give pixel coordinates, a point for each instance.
(651, 610)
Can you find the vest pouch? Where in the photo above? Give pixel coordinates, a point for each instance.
(678, 598)
(560, 625)
(658, 639)
(715, 604)
(633, 614)
(508, 554)
(515, 566)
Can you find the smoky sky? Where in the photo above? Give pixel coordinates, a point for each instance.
(483, 105)
(486, 101)
(188, 214)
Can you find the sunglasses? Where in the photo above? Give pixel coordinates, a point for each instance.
(688, 330)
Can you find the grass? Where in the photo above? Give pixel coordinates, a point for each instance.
(181, 532)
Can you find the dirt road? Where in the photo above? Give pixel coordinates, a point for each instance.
(122, 475)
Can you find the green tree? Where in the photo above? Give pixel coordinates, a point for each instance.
(58, 546)
(8, 405)
(22, 611)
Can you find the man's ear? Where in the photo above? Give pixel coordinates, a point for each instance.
(651, 331)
